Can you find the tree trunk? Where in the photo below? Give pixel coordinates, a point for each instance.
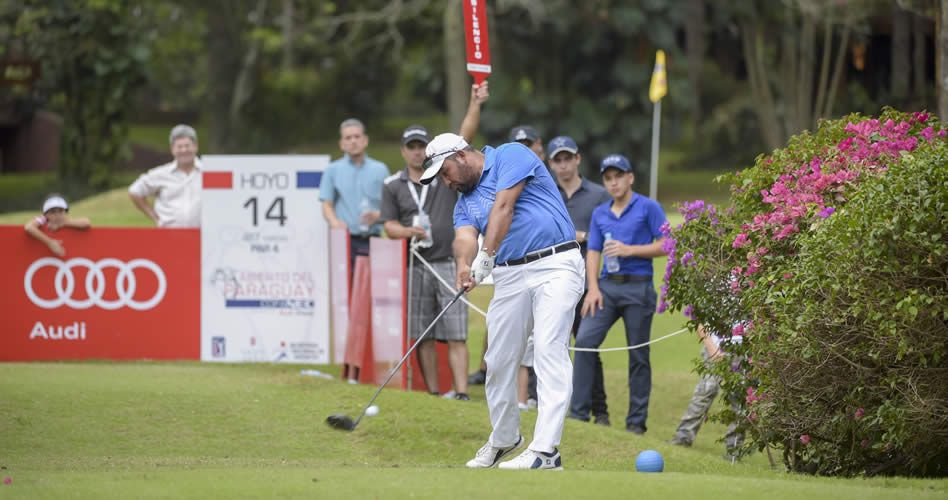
(752, 41)
(220, 61)
(243, 87)
(824, 72)
(919, 58)
(457, 89)
(695, 36)
(899, 78)
(941, 20)
(286, 22)
(804, 93)
(837, 70)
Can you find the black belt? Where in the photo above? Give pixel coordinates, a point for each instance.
(530, 257)
(361, 237)
(627, 278)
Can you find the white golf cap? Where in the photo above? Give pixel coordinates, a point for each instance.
(441, 147)
(54, 202)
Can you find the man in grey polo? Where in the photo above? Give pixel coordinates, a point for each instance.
(424, 215)
(581, 197)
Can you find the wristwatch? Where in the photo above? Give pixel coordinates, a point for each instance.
(489, 252)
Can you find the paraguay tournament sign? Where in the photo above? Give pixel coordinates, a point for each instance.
(475, 32)
(264, 260)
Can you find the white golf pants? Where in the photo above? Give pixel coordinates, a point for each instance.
(538, 297)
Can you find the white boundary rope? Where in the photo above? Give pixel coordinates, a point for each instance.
(444, 283)
(583, 349)
(627, 348)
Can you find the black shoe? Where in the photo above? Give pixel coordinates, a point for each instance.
(462, 397)
(602, 420)
(635, 429)
(477, 378)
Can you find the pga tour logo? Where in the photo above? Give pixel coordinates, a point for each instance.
(219, 347)
(96, 288)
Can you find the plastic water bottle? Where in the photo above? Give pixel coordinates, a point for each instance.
(363, 208)
(315, 373)
(612, 263)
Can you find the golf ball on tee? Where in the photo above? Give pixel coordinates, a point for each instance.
(372, 411)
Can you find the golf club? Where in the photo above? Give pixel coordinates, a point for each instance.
(342, 421)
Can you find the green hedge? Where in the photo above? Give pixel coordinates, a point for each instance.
(832, 264)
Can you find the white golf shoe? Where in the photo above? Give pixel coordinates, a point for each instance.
(488, 455)
(530, 459)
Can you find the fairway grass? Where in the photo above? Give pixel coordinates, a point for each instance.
(193, 430)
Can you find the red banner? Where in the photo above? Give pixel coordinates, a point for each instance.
(118, 293)
(475, 31)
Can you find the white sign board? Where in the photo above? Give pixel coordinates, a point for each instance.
(264, 260)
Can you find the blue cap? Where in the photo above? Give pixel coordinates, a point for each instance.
(561, 143)
(617, 161)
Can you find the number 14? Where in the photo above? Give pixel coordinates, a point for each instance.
(276, 206)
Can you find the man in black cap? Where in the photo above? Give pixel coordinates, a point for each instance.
(424, 215)
(528, 136)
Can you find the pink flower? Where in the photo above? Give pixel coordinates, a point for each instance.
(740, 241)
(805, 439)
(859, 413)
(738, 330)
(752, 416)
(864, 442)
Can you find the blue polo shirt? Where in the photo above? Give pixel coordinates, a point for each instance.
(639, 224)
(539, 220)
(345, 184)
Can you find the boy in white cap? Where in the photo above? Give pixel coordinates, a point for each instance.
(55, 217)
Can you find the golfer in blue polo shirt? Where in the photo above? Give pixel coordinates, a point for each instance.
(628, 228)
(508, 195)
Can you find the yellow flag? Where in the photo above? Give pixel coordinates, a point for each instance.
(658, 88)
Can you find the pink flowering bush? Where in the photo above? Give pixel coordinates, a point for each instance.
(831, 265)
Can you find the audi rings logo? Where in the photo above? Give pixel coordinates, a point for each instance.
(65, 283)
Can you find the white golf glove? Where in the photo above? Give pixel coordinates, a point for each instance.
(481, 267)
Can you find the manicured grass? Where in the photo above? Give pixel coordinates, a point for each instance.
(192, 430)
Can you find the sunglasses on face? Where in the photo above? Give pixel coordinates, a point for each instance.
(429, 160)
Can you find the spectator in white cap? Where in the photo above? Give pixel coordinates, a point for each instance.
(176, 186)
(55, 217)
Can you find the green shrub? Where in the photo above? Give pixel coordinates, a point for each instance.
(832, 264)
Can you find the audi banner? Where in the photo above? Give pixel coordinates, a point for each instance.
(118, 293)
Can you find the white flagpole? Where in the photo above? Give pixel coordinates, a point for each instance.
(653, 173)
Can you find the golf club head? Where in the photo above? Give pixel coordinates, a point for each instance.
(341, 422)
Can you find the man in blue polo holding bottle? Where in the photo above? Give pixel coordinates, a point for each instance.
(627, 231)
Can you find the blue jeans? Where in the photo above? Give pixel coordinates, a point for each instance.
(634, 302)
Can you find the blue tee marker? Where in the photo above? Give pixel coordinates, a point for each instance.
(649, 461)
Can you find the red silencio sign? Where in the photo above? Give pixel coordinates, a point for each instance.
(475, 30)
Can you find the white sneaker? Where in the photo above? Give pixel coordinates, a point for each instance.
(523, 406)
(488, 455)
(530, 459)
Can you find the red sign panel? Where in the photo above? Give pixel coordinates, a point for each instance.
(118, 293)
(475, 31)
